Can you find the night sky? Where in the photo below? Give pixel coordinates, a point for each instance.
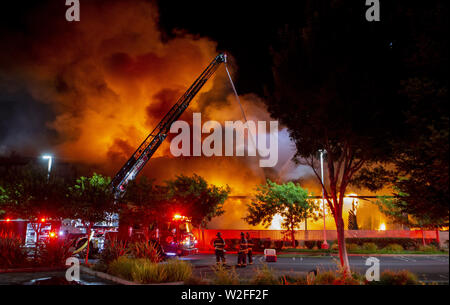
(247, 31)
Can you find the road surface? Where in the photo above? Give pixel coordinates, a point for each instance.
(427, 268)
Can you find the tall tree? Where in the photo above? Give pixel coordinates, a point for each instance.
(90, 200)
(142, 204)
(333, 86)
(194, 197)
(419, 170)
(27, 192)
(288, 200)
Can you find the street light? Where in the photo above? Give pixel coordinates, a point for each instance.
(324, 244)
(49, 158)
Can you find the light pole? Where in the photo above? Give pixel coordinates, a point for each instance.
(324, 244)
(49, 158)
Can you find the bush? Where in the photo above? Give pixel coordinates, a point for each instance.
(54, 253)
(352, 247)
(335, 277)
(403, 277)
(325, 278)
(113, 250)
(265, 276)
(223, 276)
(292, 280)
(382, 242)
(310, 244)
(146, 249)
(428, 248)
(369, 247)
(144, 271)
(176, 270)
(122, 267)
(12, 252)
(393, 248)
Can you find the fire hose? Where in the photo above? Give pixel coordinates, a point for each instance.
(84, 245)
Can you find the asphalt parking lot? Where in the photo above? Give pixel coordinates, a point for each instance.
(428, 268)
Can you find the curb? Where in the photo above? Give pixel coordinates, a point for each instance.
(358, 254)
(32, 269)
(119, 280)
(106, 276)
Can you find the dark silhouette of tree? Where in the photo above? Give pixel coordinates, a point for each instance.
(91, 200)
(195, 198)
(333, 89)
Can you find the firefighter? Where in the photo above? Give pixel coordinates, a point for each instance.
(242, 252)
(249, 248)
(219, 246)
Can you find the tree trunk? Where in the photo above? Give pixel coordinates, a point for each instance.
(293, 237)
(343, 257)
(306, 228)
(438, 238)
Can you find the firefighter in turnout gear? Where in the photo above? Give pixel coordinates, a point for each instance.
(219, 246)
(242, 252)
(249, 248)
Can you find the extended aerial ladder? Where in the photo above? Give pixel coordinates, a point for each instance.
(146, 150)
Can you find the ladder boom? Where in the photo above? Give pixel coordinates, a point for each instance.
(148, 147)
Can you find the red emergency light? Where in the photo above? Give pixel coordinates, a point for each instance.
(8, 219)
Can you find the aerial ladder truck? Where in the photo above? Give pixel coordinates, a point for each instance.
(179, 239)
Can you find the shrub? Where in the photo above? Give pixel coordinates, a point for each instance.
(54, 253)
(264, 276)
(428, 248)
(382, 242)
(278, 245)
(122, 267)
(146, 249)
(12, 252)
(113, 250)
(310, 244)
(335, 277)
(177, 270)
(292, 280)
(325, 278)
(353, 247)
(145, 271)
(223, 276)
(369, 246)
(403, 277)
(393, 248)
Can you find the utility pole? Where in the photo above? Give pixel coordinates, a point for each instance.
(324, 244)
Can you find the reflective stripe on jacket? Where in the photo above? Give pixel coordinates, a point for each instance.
(219, 244)
(243, 246)
(250, 244)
